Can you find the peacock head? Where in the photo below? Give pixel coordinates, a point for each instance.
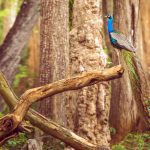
(109, 17)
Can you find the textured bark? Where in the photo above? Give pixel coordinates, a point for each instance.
(54, 53)
(11, 123)
(128, 111)
(88, 109)
(17, 37)
(145, 36)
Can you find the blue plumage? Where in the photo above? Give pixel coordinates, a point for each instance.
(117, 39)
(110, 24)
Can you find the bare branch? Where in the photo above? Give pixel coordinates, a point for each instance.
(86, 79)
(12, 120)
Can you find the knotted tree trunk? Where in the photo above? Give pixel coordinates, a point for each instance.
(88, 109)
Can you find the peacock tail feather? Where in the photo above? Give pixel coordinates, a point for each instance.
(131, 65)
(138, 79)
(134, 78)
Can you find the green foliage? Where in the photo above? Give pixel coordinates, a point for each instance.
(19, 3)
(138, 141)
(134, 142)
(22, 73)
(109, 61)
(5, 10)
(112, 130)
(118, 147)
(1, 114)
(4, 13)
(19, 141)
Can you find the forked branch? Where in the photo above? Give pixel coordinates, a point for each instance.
(11, 122)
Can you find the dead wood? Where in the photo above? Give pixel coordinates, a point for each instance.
(10, 124)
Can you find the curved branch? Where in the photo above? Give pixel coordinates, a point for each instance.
(78, 82)
(41, 122)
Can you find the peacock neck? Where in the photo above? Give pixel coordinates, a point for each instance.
(110, 25)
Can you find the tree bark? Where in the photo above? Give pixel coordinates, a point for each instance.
(17, 37)
(12, 121)
(54, 49)
(88, 109)
(128, 110)
(7, 23)
(144, 35)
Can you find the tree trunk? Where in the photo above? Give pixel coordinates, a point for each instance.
(145, 36)
(54, 54)
(127, 111)
(34, 56)
(88, 109)
(17, 37)
(8, 21)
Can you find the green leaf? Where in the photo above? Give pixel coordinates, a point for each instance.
(118, 147)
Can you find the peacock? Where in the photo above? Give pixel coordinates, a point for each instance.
(136, 74)
(117, 39)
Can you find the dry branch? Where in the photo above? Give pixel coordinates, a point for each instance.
(11, 122)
